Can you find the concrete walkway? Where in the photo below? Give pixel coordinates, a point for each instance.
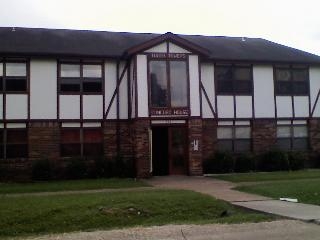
(223, 190)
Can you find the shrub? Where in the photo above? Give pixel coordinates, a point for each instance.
(296, 160)
(42, 170)
(273, 160)
(244, 163)
(76, 168)
(221, 162)
(123, 167)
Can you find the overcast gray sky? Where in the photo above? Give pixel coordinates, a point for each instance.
(292, 23)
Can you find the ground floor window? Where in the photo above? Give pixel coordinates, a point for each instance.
(81, 141)
(292, 135)
(234, 136)
(14, 141)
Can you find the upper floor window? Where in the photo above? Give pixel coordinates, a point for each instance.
(233, 79)
(291, 80)
(13, 76)
(168, 83)
(76, 78)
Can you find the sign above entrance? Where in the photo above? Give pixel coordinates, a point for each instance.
(169, 55)
(170, 112)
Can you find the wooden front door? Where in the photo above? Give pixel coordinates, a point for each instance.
(177, 146)
(169, 151)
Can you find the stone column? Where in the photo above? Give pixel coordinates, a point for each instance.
(209, 137)
(195, 153)
(314, 135)
(264, 134)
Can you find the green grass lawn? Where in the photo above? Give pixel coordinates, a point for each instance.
(305, 190)
(54, 186)
(303, 185)
(269, 176)
(35, 215)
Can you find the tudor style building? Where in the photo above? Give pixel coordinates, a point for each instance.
(167, 100)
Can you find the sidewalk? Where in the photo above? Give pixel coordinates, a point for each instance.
(223, 190)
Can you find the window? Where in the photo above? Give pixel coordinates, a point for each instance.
(234, 136)
(85, 142)
(292, 135)
(233, 79)
(13, 76)
(76, 78)
(291, 80)
(13, 143)
(169, 83)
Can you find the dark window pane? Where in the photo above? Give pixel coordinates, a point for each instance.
(92, 135)
(242, 145)
(1, 136)
(223, 73)
(17, 151)
(225, 145)
(178, 84)
(70, 85)
(70, 135)
(1, 84)
(70, 150)
(16, 84)
(17, 136)
(300, 88)
(92, 85)
(242, 74)
(283, 87)
(1, 151)
(300, 144)
(300, 75)
(284, 143)
(242, 87)
(283, 75)
(92, 149)
(225, 87)
(159, 88)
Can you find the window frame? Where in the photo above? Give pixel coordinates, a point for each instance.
(81, 79)
(81, 141)
(168, 109)
(235, 125)
(292, 138)
(233, 67)
(5, 78)
(4, 143)
(291, 68)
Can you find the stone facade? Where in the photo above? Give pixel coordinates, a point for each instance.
(314, 135)
(195, 155)
(209, 138)
(142, 148)
(264, 134)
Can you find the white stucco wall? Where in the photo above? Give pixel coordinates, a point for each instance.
(243, 106)
(314, 76)
(173, 48)
(110, 86)
(43, 89)
(301, 106)
(123, 93)
(142, 86)
(69, 106)
(16, 106)
(263, 91)
(161, 48)
(225, 106)
(92, 107)
(207, 79)
(194, 85)
(284, 106)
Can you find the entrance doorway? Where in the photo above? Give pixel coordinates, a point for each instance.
(169, 151)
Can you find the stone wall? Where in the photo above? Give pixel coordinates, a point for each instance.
(195, 156)
(314, 135)
(209, 138)
(264, 134)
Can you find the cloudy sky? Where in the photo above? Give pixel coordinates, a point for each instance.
(293, 23)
